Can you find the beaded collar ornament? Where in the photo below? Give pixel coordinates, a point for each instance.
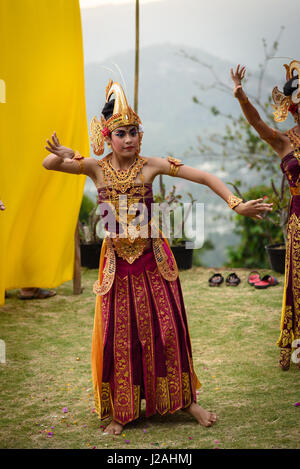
(123, 115)
(121, 180)
(282, 103)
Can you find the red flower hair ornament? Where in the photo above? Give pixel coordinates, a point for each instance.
(105, 132)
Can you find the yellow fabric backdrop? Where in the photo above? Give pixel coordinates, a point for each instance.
(41, 63)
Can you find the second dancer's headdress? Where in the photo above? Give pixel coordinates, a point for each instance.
(283, 102)
(122, 115)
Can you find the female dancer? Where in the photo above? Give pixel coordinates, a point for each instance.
(287, 146)
(141, 345)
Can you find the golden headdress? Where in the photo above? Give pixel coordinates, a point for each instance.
(122, 115)
(282, 102)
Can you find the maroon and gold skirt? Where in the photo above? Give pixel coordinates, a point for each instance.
(146, 344)
(290, 320)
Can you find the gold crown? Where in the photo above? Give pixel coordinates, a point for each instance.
(122, 115)
(281, 102)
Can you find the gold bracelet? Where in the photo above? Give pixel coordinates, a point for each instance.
(79, 160)
(175, 164)
(234, 201)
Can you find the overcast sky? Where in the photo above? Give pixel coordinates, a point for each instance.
(230, 29)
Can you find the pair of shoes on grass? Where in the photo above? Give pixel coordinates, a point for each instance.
(256, 281)
(217, 279)
(37, 294)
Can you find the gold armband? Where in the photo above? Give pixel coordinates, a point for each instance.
(234, 201)
(175, 164)
(79, 160)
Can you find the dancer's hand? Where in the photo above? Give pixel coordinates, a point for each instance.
(58, 150)
(2, 206)
(237, 78)
(254, 208)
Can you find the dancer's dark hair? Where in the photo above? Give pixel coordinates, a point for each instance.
(108, 109)
(290, 86)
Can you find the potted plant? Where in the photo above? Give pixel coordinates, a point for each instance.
(89, 227)
(276, 252)
(276, 238)
(241, 145)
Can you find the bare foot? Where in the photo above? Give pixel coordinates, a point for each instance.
(204, 417)
(114, 428)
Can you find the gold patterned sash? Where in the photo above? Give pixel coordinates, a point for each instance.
(131, 251)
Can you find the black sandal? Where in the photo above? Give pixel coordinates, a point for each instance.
(38, 294)
(233, 280)
(216, 280)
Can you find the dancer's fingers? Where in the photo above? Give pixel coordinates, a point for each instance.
(56, 139)
(256, 201)
(50, 144)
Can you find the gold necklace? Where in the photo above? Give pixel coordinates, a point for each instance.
(125, 180)
(132, 247)
(121, 174)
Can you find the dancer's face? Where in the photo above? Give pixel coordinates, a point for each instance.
(125, 140)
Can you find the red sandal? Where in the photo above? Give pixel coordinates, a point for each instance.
(266, 281)
(253, 277)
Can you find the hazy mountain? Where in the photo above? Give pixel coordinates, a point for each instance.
(168, 82)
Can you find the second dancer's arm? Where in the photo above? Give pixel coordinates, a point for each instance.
(276, 139)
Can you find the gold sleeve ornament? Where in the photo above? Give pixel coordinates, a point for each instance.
(123, 114)
(175, 164)
(79, 159)
(282, 103)
(234, 201)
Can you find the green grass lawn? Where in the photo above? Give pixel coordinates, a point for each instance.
(233, 331)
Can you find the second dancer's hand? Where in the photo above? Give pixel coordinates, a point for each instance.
(59, 150)
(254, 208)
(237, 78)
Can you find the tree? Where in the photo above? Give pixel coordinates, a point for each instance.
(241, 143)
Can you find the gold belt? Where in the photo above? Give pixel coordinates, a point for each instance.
(295, 190)
(130, 250)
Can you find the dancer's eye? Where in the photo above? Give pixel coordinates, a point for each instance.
(133, 132)
(120, 133)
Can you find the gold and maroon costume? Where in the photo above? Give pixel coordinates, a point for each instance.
(290, 320)
(141, 346)
(290, 166)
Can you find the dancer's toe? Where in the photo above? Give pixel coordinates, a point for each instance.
(114, 428)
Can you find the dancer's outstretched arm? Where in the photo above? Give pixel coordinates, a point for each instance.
(64, 159)
(276, 139)
(252, 208)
